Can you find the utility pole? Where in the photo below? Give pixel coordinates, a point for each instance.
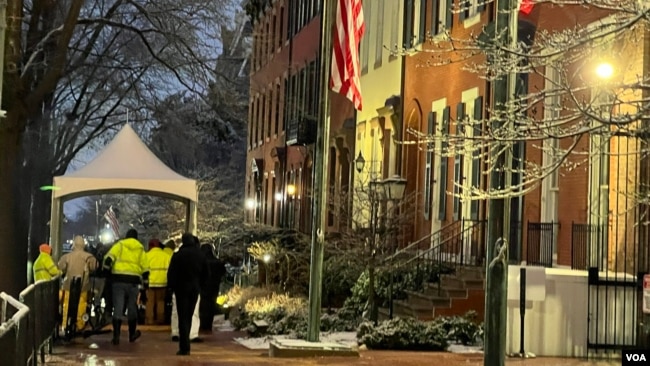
(503, 90)
(319, 191)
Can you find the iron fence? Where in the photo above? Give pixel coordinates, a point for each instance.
(541, 236)
(581, 237)
(29, 325)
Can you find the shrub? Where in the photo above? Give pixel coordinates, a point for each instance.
(403, 334)
(283, 313)
(339, 322)
(462, 329)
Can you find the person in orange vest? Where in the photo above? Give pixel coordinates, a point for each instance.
(158, 265)
(44, 266)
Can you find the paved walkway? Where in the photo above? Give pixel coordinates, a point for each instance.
(156, 348)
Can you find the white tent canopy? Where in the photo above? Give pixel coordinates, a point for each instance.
(126, 165)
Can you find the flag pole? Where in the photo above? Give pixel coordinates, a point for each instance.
(319, 193)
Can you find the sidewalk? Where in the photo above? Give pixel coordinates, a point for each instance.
(156, 348)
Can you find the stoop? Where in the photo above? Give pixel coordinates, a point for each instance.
(301, 348)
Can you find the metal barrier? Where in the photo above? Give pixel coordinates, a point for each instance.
(29, 325)
(14, 331)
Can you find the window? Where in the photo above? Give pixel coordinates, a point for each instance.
(269, 105)
(281, 32)
(394, 27)
(471, 8)
(428, 167)
(251, 123)
(275, 36)
(315, 87)
(365, 41)
(303, 91)
(285, 105)
(278, 105)
(441, 16)
(444, 164)
(458, 162)
(476, 154)
(267, 41)
(379, 33)
(256, 119)
(414, 22)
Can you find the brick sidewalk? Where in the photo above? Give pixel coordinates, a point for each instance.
(156, 348)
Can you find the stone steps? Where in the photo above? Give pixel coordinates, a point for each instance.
(457, 294)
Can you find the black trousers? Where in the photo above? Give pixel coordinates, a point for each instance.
(207, 309)
(185, 303)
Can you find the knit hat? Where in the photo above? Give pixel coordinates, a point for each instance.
(154, 243)
(45, 248)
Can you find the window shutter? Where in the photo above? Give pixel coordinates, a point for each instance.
(444, 164)
(428, 168)
(464, 4)
(476, 159)
(408, 24)
(434, 17)
(423, 20)
(480, 6)
(460, 116)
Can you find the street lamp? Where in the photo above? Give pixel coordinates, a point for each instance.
(250, 203)
(604, 70)
(291, 190)
(267, 257)
(394, 187)
(359, 162)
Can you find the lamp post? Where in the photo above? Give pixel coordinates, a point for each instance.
(388, 190)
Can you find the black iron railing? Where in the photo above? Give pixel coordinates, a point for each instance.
(540, 240)
(460, 243)
(515, 244)
(581, 237)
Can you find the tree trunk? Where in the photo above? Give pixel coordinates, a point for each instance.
(13, 261)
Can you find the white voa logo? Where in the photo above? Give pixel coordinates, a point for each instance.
(635, 357)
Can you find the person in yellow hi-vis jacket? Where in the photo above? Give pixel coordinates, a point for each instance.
(129, 268)
(77, 263)
(44, 266)
(158, 265)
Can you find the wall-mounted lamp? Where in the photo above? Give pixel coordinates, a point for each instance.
(359, 162)
(291, 190)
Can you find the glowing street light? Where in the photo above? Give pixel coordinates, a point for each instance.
(267, 257)
(291, 190)
(250, 203)
(278, 196)
(604, 70)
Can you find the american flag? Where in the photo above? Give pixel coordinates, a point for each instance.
(350, 27)
(112, 221)
(526, 6)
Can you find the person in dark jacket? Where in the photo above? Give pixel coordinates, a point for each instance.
(186, 276)
(208, 299)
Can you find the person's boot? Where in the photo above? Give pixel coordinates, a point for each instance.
(133, 332)
(116, 331)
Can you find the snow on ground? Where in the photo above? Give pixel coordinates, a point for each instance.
(344, 338)
(459, 348)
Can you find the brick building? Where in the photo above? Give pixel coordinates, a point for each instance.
(283, 111)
